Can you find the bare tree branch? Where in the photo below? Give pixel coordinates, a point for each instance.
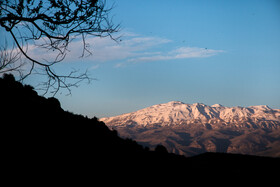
(10, 60)
(51, 25)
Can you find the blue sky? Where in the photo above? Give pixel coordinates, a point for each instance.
(218, 51)
(242, 68)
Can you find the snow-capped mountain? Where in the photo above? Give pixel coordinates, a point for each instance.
(178, 113)
(191, 129)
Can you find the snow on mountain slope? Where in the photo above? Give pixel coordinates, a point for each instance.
(178, 113)
(191, 129)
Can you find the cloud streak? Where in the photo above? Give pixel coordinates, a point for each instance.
(180, 53)
(132, 48)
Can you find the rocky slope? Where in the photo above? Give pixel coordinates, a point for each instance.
(190, 129)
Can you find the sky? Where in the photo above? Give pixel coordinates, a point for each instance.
(194, 51)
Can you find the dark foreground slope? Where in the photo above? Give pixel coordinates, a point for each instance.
(43, 143)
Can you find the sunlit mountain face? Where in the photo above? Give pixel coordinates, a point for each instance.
(191, 129)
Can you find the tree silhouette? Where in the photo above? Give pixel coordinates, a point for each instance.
(51, 25)
(161, 149)
(40, 141)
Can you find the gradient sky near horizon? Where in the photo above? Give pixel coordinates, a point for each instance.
(194, 51)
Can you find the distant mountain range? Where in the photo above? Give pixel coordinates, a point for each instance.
(191, 129)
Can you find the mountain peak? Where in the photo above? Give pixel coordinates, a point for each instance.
(261, 107)
(217, 105)
(199, 104)
(175, 103)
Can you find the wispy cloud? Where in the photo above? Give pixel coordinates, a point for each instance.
(180, 53)
(105, 49)
(132, 48)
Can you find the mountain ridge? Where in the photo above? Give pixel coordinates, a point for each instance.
(191, 129)
(179, 112)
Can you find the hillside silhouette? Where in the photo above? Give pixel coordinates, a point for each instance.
(42, 142)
